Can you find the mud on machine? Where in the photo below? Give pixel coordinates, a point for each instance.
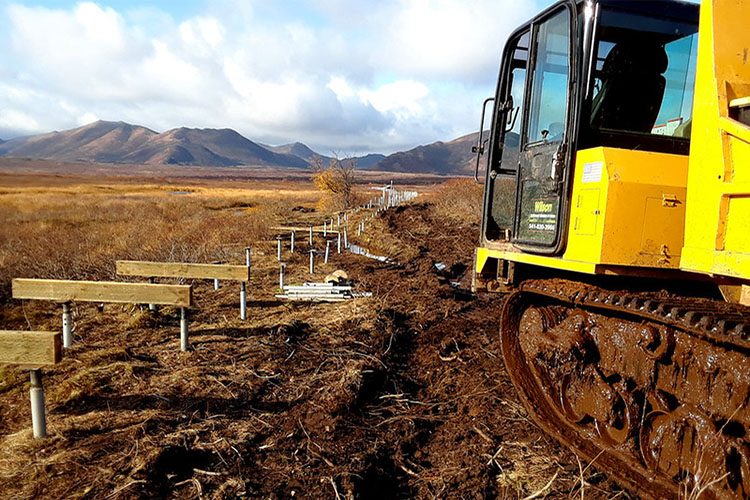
(617, 216)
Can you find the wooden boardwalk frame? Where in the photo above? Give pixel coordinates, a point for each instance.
(302, 230)
(182, 270)
(103, 291)
(30, 350)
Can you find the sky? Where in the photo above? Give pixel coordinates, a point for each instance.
(344, 76)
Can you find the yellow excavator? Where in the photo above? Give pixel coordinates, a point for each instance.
(617, 219)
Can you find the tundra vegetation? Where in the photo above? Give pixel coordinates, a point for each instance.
(401, 395)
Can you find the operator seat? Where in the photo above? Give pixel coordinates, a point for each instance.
(632, 87)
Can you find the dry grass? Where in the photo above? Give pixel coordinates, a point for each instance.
(458, 200)
(77, 231)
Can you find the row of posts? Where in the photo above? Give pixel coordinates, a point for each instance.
(38, 413)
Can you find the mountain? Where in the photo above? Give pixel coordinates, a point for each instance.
(119, 142)
(454, 157)
(300, 151)
(368, 161)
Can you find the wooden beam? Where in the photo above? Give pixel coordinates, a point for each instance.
(98, 291)
(302, 230)
(30, 349)
(182, 270)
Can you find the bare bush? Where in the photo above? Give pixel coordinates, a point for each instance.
(336, 181)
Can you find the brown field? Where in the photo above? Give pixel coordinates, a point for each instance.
(401, 395)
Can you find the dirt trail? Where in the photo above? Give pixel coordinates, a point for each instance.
(402, 395)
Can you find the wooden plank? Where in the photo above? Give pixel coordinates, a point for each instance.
(182, 270)
(30, 349)
(301, 231)
(98, 291)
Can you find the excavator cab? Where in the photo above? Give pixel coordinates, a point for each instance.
(582, 75)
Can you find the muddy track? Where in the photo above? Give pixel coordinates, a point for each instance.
(654, 385)
(403, 395)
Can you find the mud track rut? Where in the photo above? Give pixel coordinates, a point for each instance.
(404, 395)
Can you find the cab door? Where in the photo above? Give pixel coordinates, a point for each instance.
(546, 137)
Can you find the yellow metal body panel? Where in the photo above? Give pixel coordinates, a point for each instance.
(627, 209)
(717, 237)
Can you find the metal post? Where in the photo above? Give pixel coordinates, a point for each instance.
(291, 247)
(67, 326)
(338, 220)
(243, 301)
(183, 330)
(311, 238)
(312, 261)
(38, 413)
(325, 228)
(346, 240)
(278, 248)
(331, 224)
(247, 256)
(338, 243)
(281, 276)
(151, 307)
(216, 284)
(328, 250)
(359, 229)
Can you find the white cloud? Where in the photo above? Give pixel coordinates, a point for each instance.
(401, 97)
(336, 74)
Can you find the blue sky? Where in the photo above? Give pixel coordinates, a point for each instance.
(350, 76)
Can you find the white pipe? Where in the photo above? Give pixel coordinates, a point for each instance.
(338, 243)
(328, 250)
(278, 248)
(312, 261)
(38, 413)
(243, 302)
(151, 307)
(291, 246)
(67, 326)
(216, 284)
(183, 330)
(281, 276)
(311, 236)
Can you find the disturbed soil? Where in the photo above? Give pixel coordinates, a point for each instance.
(400, 395)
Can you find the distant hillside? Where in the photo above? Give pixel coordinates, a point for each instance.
(368, 161)
(119, 142)
(446, 158)
(302, 151)
(443, 158)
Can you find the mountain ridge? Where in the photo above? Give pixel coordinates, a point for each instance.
(118, 142)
